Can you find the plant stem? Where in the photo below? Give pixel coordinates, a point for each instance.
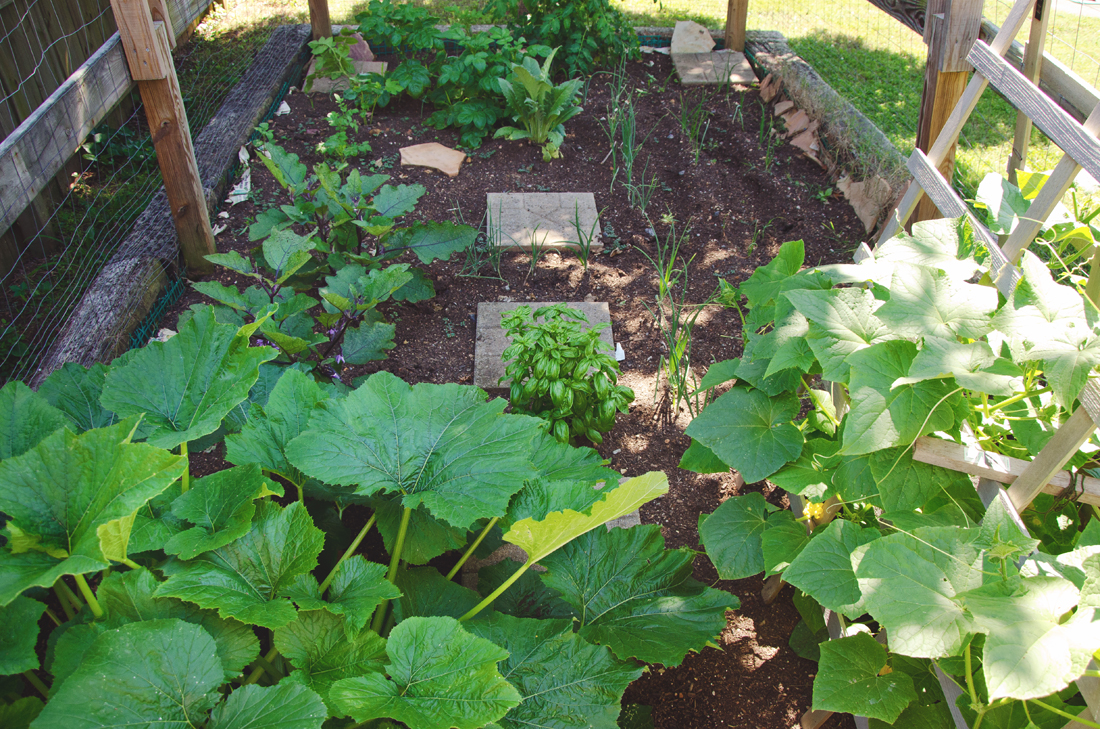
(53, 616)
(391, 575)
(186, 484)
(37, 683)
(59, 589)
(130, 563)
(970, 678)
(89, 596)
(268, 657)
(496, 593)
(347, 553)
(1017, 398)
(475, 545)
(819, 405)
(1064, 714)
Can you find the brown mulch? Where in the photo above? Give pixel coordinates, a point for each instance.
(728, 199)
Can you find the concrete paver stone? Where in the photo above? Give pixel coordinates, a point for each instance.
(719, 67)
(551, 220)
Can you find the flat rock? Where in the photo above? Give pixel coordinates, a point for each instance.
(331, 85)
(720, 67)
(549, 220)
(797, 122)
(868, 198)
(690, 37)
(434, 155)
(769, 87)
(783, 107)
(361, 50)
(490, 339)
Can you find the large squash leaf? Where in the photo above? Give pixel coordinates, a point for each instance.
(564, 681)
(75, 391)
(439, 676)
(71, 500)
(25, 419)
(220, 506)
(285, 706)
(632, 595)
(442, 446)
(246, 579)
(187, 385)
(18, 635)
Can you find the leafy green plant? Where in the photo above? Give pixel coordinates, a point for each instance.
(557, 372)
(914, 348)
(215, 607)
(665, 256)
(539, 106)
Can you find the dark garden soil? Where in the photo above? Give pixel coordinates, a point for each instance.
(739, 213)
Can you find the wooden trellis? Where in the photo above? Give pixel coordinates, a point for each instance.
(1025, 479)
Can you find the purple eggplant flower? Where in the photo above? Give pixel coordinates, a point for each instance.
(339, 359)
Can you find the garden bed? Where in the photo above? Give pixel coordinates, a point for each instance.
(740, 201)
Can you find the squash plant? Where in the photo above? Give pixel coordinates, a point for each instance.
(920, 344)
(231, 601)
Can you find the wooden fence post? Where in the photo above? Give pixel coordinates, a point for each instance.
(148, 54)
(950, 29)
(1033, 64)
(737, 14)
(319, 19)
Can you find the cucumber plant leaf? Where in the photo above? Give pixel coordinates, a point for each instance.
(319, 647)
(842, 321)
(187, 385)
(75, 391)
(926, 302)
(732, 536)
(221, 507)
(973, 365)
(823, 569)
(557, 461)
(26, 418)
(750, 431)
(905, 484)
(245, 579)
(810, 474)
(72, 497)
(564, 681)
(285, 706)
(161, 672)
(438, 676)
(700, 459)
(527, 597)
(933, 243)
(442, 446)
(637, 598)
(848, 680)
(19, 634)
(782, 541)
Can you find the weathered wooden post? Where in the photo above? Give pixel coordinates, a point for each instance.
(148, 53)
(319, 19)
(1033, 65)
(950, 29)
(737, 14)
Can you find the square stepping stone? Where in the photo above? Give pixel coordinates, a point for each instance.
(331, 85)
(719, 67)
(550, 220)
(490, 340)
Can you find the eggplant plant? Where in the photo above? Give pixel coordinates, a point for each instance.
(220, 602)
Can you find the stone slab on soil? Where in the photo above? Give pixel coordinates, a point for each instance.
(720, 67)
(546, 219)
(435, 155)
(331, 85)
(490, 340)
(690, 37)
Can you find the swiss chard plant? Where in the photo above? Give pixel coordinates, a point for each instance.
(540, 107)
(558, 372)
(916, 344)
(232, 601)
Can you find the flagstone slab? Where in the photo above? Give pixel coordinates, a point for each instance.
(550, 220)
(490, 340)
(719, 67)
(435, 155)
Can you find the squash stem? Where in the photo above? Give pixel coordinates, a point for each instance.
(348, 552)
(391, 575)
(270, 656)
(475, 545)
(496, 593)
(186, 484)
(89, 596)
(37, 683)
(66, 598)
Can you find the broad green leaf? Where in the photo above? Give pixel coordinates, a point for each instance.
(221, 506)
(319, 647)
(285, 706)
(973, 365)
(434, 241)
(782, 541)
(540, 497)
(433, 536)
(442, 446)
(75, 391)
(269, 428)
(66, 495)
(357, 589)
(926, 302)
(154, 673)
(557, 461)
(19, 572)
(187, 385)
(391, 201)
(766, 282)
(909, 584)
(754, 370)
(732, 536)
(439, 676)
(26, 418)
(417, 288)
(934, 243)
(155, 524)
(719, 373)
(542, 537)
(20, 714)
(905, 484)
(700, 459)
(564, 681)
(823, 569)
(285, 252)
(19, 634)
(367, 342)
(425, 592)
(848, 680)
(1001, 536)
(527, 597)
(882, 415)
(1030, 649)
(631, 594)
(1005, 205)
(809, 476)
(842, 321)
(750, 431)
(245, 578)
(129, 597)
